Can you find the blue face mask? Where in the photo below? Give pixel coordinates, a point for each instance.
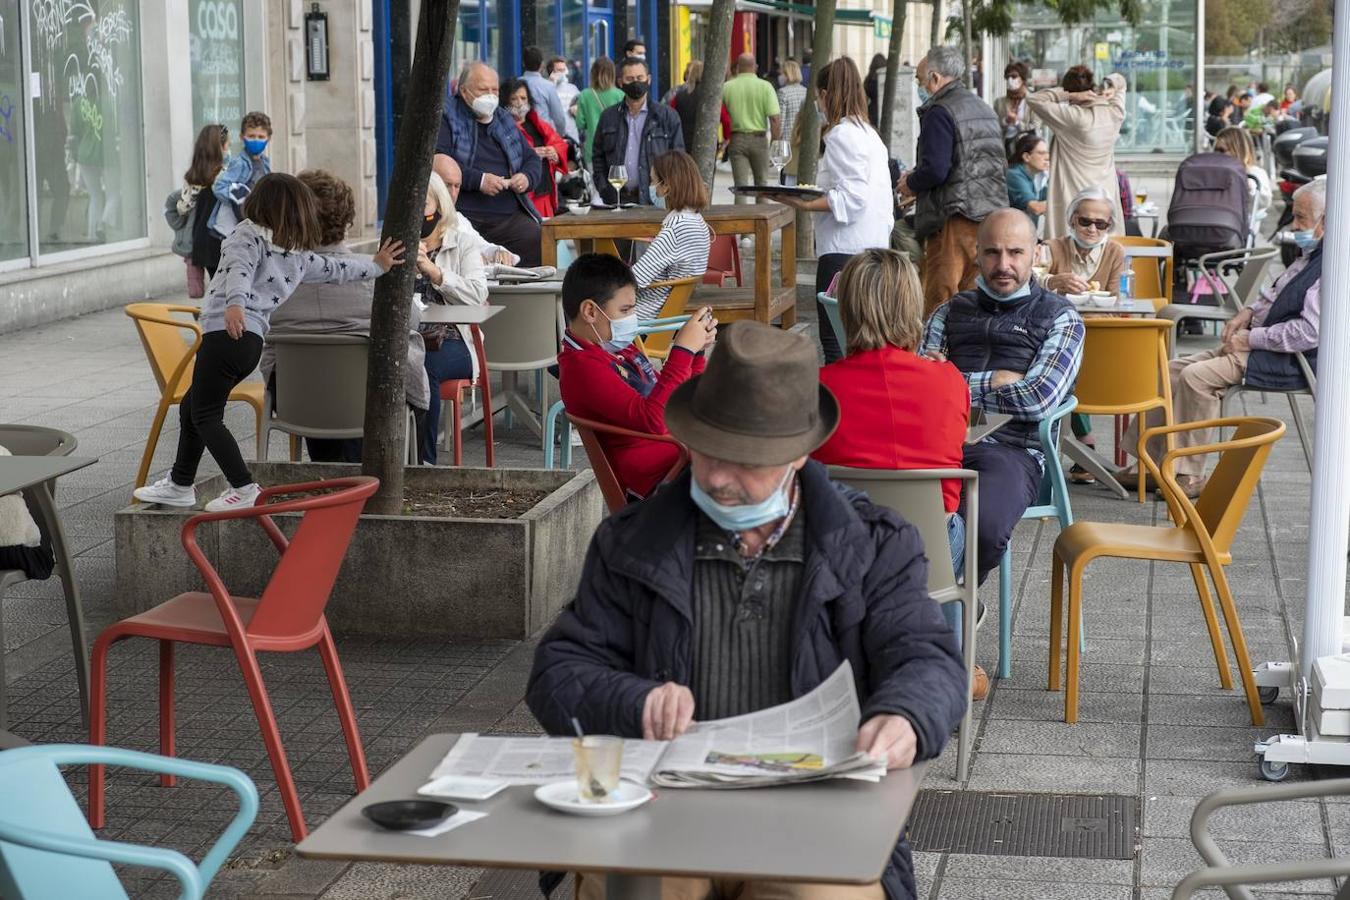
(657, 200)
(924, 96)
(1084, 244)
(1306, 240)
(622, 332)
(254, 147)
(1023, 291)
(743, 518)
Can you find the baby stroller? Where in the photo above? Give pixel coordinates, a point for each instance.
(1210, 212)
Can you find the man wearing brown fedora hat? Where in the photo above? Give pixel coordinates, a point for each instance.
(746, 582)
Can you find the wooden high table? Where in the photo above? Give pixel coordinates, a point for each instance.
(763, 302)
(834, 832)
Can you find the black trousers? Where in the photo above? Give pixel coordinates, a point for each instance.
(1010, 480)
(828, 266)
(222, 362)
(517, 232)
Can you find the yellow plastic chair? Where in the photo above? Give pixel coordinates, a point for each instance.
(1124, 371)
(1152, 282)
(657, 344)
(171, 359)
(1201, 538)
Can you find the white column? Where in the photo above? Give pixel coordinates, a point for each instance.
(1329, 526)
(1199, 97)
(166, 89)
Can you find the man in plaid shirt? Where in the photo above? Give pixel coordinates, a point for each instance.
(1019, 347)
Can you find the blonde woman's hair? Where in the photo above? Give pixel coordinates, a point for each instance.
(880, 301)
(792, 72)
(1237, 143)
(440, 195)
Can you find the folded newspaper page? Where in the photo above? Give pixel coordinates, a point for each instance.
(812, 738)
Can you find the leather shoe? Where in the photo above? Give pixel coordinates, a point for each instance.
(1130, 480)
(1191, 486)
(979, 684)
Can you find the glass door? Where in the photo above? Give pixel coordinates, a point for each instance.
(13, 142)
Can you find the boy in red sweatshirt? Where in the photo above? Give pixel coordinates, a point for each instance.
(604, 376)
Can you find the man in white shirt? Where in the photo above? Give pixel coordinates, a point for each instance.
(446, 167)
(556, 70)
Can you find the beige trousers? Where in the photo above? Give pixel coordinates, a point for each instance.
(592, 887)
(949, 263)
(1199, 382)
(749, 155)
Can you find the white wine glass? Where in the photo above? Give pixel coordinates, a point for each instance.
(618, 177)
(780, 152)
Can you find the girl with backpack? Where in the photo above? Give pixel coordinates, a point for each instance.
(188, 209)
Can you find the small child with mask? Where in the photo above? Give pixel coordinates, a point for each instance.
(235, 181)
(604, 376)
(680, 249)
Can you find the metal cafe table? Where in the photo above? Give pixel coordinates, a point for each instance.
(766, 300)
(835, 832)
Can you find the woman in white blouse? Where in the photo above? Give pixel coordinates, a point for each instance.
(856, 213)
(449, 271)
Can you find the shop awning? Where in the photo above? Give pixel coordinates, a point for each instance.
(801, 11)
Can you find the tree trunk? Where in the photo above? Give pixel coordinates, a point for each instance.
(937, 24)
(386, 407)
(967, 42)
(822, 48)
(893, 69)
(702, 144)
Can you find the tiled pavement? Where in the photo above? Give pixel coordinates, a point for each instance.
(1154, 723)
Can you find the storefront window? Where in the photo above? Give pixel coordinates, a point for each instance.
(574, 40)
(1156, 57)
(468, 36)
(547, 28)
(217, 54)
(88, 124)
(13, 183)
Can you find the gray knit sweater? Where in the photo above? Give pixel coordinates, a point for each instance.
(258, 275)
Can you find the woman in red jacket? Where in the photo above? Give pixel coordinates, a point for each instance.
(547, 144)
(897, 410)
(604, 376)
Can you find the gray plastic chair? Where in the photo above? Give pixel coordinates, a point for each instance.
(32, 440)
(319, 390)
(1310, 377)
(1235, 296)
(1218, 872)
(523, 337)
(916, 494)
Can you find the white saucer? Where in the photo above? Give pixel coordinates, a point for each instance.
(563, 796)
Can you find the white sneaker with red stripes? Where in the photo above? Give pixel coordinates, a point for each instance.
(235, 498)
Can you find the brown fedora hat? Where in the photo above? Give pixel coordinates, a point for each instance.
(760, 401)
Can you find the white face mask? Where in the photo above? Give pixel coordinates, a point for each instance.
(1014, 83)
(484, 105)
(558, 77)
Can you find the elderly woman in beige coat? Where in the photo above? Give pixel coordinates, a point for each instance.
(1083, 152)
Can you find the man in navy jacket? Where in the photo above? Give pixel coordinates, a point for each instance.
(745, 583)
(500, 169)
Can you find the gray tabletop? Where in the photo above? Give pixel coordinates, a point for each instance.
(19, 472)
(836, 832)
(459, 315)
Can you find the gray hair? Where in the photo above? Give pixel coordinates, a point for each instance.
(1316, 191)
(949, 62)
(1092, 193)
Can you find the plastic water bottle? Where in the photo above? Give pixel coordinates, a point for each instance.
(1127, 286)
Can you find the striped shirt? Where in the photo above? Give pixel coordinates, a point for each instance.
(790, 100)
(680, 250)
(1048, 381)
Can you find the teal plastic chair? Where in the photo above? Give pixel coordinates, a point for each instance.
(47, 848)
(831, 305)
(1053, 501)
(557, 415)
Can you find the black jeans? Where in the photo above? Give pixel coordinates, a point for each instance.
(222, 362)
(517, 232)
(828, 266)
(1010, 480)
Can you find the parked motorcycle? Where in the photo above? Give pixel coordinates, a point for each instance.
(1307, 160)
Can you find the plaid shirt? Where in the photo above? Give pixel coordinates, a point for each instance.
(1047, 383)
(790, 100)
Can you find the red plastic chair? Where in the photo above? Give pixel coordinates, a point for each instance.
(724, 261)
(614, 491)
(453, 391)
(288, 617)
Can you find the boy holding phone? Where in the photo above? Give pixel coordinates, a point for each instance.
(603, 375)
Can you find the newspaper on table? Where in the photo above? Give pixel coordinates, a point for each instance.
(812, 738)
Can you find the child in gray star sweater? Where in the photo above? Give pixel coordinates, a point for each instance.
(264, 259)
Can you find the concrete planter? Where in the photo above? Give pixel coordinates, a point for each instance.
(403, 576)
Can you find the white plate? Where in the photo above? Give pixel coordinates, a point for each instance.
(463, 787)
(563, 796)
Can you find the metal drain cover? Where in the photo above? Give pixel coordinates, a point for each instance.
(1076, 826)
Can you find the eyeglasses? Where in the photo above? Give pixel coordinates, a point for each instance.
(1099, 224)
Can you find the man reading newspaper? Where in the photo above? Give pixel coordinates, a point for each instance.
(746, 583)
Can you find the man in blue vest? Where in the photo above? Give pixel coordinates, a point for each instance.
(1259, 347)
(1019, 347)
(500, 170)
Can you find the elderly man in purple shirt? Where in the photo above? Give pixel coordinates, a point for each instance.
(1258, 346)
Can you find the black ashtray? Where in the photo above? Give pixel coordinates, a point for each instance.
(409, 815)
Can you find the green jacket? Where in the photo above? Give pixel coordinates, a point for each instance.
(590, 104)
